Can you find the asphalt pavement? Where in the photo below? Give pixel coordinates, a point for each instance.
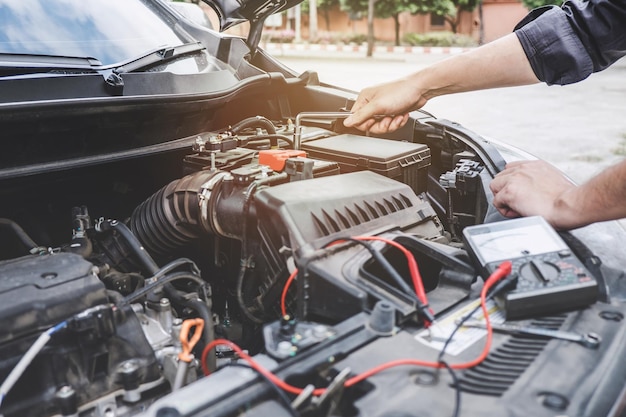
(580, 128)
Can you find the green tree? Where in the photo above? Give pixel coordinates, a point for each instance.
(383, 9)
(450, 10)
(392, 9)
(454, 17)
(532, 4)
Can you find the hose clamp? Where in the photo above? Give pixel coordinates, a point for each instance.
(205, 197)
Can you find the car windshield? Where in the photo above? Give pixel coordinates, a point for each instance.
(111, 31)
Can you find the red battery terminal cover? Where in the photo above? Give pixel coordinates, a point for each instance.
(275, 158)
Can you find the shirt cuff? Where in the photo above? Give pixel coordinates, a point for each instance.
(555, 52)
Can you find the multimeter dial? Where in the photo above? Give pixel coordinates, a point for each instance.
(537, 270)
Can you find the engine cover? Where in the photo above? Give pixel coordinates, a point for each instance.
(37, 292)
(310, 214)
(101, 357)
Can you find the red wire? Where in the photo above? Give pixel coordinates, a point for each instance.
(503, 270)
(283, 297)
(243, 355)
(416, 277)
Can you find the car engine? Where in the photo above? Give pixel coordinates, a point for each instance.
(271, 248)
(123, 289)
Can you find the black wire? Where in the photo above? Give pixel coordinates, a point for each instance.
(175, 264)
(495, 291)
(457, 388)
(456, 329)
(133, 243)
(389, 269)
(22, 236)
(455, 380)
(246, 260)
(448, 260)
(252, 123)
(272, 137)
(257, 144)
(281, 394)
(168, 278)
(243, 268)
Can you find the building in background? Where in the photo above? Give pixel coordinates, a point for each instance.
(499, 17)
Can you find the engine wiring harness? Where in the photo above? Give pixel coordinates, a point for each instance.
(495, 283)
(162, 278)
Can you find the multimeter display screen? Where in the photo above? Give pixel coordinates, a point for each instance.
(513, 239)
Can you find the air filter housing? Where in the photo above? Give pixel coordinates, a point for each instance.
(310, 213)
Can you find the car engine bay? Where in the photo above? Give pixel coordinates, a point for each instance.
(316, 263)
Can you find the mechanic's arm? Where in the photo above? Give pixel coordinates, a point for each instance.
(501, 63)
(530, 188)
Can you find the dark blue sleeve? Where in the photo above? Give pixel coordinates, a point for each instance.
(566, 44)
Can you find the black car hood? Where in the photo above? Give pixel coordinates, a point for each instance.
(233, 12)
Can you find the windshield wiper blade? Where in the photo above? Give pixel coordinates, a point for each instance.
(41, 62)
(159, 56)
(114, 81)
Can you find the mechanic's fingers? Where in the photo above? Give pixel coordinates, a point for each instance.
(516, 164)
(380, 124)
(525, 167)
(511, 168)
(508, 212)
(498, 182)
(358, 104)
(389, 124)
(504, 177)
(502, 199)
(361, 113)
(364, 126)
(378, 128)
(399, 121)
(505, 190)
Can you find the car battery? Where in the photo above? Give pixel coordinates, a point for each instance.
(225, 161)
(277, 159)
(251, 161)
(402, 161)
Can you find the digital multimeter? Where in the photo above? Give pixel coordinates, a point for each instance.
(550, 277)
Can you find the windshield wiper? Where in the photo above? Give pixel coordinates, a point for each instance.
(14, 64)
(159, 56)
(17, 64)
(115, 83)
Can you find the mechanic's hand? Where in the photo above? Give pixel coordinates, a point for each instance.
(384, 108)
(530, 188)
